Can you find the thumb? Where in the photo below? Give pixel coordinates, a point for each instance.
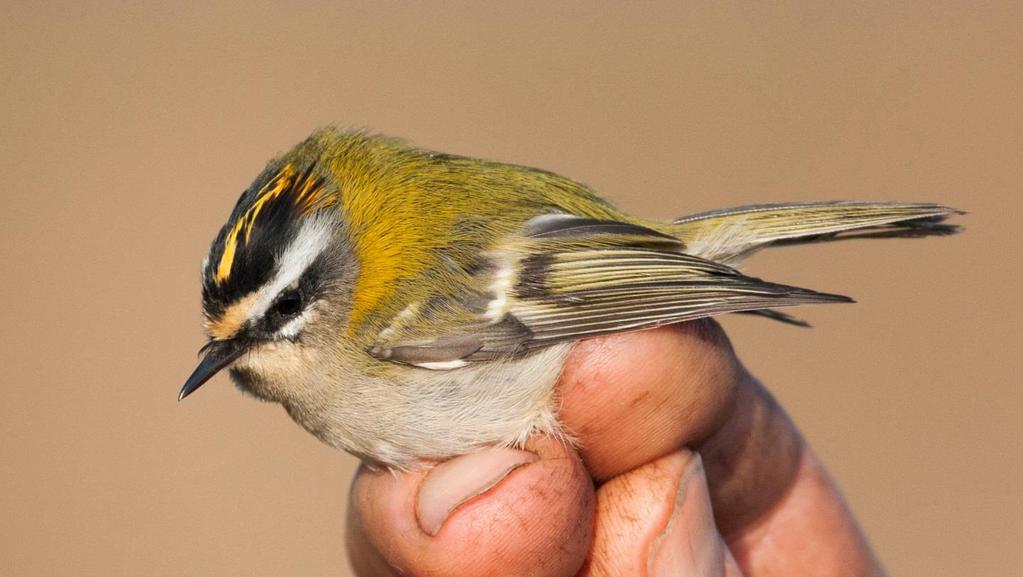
(494, 512)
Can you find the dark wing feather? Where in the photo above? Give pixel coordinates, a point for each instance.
(578, 294)
(779, 316)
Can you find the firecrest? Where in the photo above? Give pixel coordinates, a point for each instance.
(403, 304)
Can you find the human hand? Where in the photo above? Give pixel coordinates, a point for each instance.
(685, 466)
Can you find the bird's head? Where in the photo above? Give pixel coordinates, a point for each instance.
(276, 278)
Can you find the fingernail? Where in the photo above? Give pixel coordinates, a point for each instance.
(689, 544)
(455, 481)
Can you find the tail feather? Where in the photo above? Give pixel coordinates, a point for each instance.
(729, 235)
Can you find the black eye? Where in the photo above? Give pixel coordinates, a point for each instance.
(288, 304)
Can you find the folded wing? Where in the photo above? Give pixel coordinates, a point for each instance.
(571, 278)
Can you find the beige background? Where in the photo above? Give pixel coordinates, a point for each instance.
(128, 132)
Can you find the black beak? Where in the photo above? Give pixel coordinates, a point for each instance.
(218, 355)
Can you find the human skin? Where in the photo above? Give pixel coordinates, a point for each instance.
(683, 464)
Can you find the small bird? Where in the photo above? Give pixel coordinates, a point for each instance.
(403, 304)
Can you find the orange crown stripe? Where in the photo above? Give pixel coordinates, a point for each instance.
(307, 197)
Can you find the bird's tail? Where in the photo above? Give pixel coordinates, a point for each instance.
(729, 235)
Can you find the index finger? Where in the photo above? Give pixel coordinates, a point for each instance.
(634, 397)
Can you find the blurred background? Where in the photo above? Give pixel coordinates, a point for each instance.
(128, 132)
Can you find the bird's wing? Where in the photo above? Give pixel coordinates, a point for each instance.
(570, 278)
